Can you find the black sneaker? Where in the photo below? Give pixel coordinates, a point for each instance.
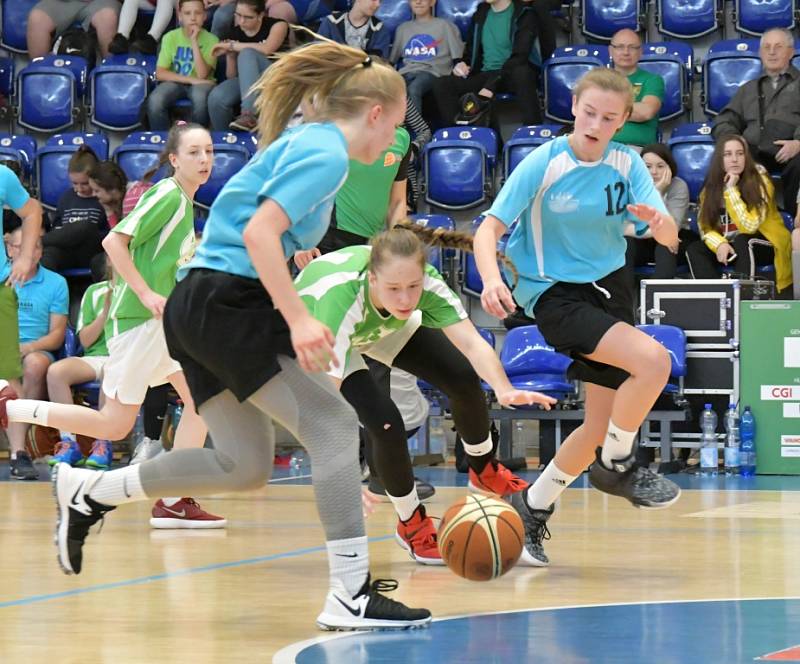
(147, 45)
(369, 610)
(119, 45)
(76, 513)
(22, 467)
(425, 491)
(634, 482)
(474, 109)
(536, 530)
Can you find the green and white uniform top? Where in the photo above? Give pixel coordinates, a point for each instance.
(161, 227)
(91, 305)
(335, 288)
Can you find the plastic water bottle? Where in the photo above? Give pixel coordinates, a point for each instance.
(747, 451)
(732, 440)
(709, 455)
(176, 414)
(518, 440)
(437, 436)
(137, 433)
(299, 463)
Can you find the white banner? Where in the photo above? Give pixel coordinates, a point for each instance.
(791, 410)
(780, 393)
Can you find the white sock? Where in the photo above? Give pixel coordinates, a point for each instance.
(479, 449)
(617, 445)
(169, 502)
(116, 487)
(405, 505)
(348, 561)
(28, 410)
(548, 487)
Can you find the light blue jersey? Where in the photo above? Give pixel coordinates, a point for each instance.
(12, 194)
(571, 215)
(301, 171)
(39, 297)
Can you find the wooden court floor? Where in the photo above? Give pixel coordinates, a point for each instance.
(242, 594)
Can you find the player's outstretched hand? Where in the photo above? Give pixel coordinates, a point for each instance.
(655, 219)
(313, 344)
(524, 398)
(155, 303)
(496, 299)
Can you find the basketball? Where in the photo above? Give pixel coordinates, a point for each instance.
(481, 538)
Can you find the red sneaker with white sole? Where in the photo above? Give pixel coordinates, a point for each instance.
(418, 537)
(7, 393)
(496, 480)
(186, 513)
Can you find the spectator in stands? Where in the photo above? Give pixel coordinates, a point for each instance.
(497, 57)
(766, 111)
(739, 218)
(648, 89)
(79, 222)
(63, 374)
(43, 308)
(185, 67)
(643, 249)
(358, 28)
(426, 47)
(246, 47)
(50, 17)
(420, 134)
(127, 18)
(109, 185)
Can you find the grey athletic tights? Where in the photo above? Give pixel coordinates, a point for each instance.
(311, 408)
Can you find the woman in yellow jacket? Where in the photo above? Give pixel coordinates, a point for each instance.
(739, 219)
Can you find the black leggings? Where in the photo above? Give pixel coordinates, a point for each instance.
(703, 262)
(428, 355)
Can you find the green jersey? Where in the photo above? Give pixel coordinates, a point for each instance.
(362, 204)
(642, 133)
(161, 227)
(335, 289)
(91, 305)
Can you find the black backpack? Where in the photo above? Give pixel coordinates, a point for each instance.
(77, 41)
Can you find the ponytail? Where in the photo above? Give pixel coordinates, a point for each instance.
(408, 239)
(82, 160)
(328, 80)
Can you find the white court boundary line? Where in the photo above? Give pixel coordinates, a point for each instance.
(289, 654)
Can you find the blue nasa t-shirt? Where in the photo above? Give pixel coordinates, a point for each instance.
(429, 46)
(572, 215)
(301, 171)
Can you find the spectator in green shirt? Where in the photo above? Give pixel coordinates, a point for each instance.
(185, 68)
(648, 89)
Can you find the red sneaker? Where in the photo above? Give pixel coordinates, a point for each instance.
(495, 480)
(418, 537)
(7, 393)
(186, 513)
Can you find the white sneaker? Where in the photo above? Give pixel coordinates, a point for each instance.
(76, 512)
(368, 609)
(146, 449)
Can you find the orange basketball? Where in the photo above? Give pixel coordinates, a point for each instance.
(481, 538)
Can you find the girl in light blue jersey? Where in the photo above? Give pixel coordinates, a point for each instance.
(236, 324)
(572, 199)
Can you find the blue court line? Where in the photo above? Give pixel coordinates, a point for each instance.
(35, 599)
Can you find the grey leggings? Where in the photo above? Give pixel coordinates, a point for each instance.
(311, 408)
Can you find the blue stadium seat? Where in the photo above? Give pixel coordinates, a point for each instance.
(392, 13)
(472, 283)
(49, 91)
(457, 167)
(14, 36)
(600, 19)
(147, 62)
(457, 11)
(523, 141)
(692, 146)
(688, 19)
(729, 64)
(487, 335)
(243, 138)
(438, 257)
(139, 152)
(674, 340)
(754, 17)
(21, 149)
(116, 94)
(53, 158)
(562, 71)
(673, 62)
(532, 364)
(229, 159)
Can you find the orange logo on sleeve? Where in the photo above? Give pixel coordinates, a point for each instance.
(389, 159)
